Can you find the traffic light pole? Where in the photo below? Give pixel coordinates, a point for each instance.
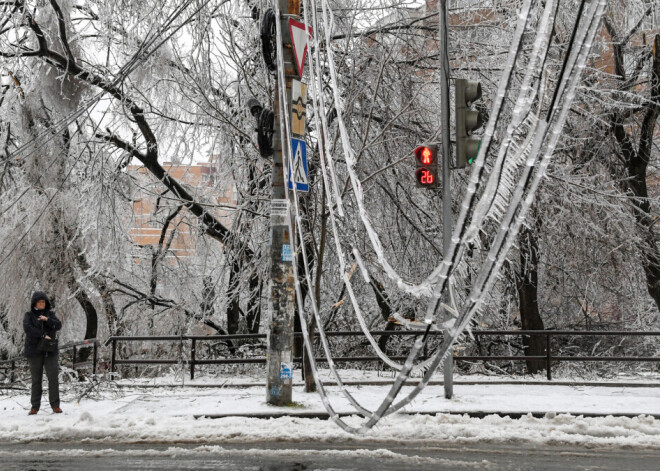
(282, 294)
(447, 218)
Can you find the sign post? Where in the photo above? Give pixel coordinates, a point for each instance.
(282, 291)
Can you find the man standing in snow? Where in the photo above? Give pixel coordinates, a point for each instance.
(40, 322)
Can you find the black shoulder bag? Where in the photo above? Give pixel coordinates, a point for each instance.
(47, 345)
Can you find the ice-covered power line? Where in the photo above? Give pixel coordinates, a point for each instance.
(407, 367)
(375, 241)
(348, 151)
(543, 135)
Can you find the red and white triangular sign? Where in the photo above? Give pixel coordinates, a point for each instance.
(299, 41)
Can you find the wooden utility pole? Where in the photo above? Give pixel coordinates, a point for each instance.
(282, 291)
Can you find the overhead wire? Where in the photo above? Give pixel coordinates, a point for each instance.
(287, 155)
(428, 286)
(319, 104)
(407, 366)
(403, 373)
(357, 188)
(528, 185)
(487, 274)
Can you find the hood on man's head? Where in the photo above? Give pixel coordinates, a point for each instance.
(38, 296)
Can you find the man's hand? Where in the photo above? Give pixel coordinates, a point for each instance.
(46, 337)
(43, 318)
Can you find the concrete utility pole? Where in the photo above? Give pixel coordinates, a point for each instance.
(447, 218)
(282, 293)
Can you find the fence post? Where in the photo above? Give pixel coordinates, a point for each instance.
(182, 360)
(73, 359)
(192, 359)
(548, 357)
(13, 370)
(94, 358)
(112, 358)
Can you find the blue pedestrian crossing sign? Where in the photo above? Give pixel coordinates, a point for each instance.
(300, 173)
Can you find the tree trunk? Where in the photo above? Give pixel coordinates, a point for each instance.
(385, 312)
(308, 374)
(253, 315)
(91, 316)
(527, 285)
(636, 157)
(299, 343)
(233, 308)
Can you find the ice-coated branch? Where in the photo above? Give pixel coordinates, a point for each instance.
(214, 228)
(61, 27)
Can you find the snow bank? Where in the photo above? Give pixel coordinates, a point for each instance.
(638, 432)
(166, 415)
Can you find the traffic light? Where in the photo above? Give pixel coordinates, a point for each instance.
(427, 166)
(467, 120)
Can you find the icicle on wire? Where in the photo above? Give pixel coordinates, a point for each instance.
(468, 221)
(510, 232)
(357, 187)
(501, 180)
(285, 136)
(498, 254)
(407, 366)
(361, 320)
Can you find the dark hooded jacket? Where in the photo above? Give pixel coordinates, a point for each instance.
(35, 329)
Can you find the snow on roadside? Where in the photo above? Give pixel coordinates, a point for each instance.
(165, 415)
(637, 432)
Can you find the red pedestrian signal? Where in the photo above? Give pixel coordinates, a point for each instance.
(426, 155)
(426, 174)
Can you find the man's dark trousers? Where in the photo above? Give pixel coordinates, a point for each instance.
(37, 364)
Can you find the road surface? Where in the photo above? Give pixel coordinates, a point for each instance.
(317, 456)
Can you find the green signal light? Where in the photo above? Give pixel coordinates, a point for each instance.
(472, 159)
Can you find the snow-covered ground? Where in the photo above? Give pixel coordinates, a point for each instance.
(167, 415)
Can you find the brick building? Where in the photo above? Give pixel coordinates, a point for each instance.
(151, 207)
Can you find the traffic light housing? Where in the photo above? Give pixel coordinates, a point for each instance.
(467, 120)
(426, 174)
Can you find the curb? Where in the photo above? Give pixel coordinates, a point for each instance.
(471, 414)
(408, 383)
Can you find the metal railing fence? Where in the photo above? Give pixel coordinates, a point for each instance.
(192, 361)
(11, 363)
